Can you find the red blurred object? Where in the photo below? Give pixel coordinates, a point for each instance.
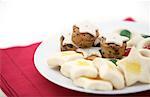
(129, 19)
(127, 51)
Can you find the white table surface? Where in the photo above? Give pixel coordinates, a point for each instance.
(23, 22)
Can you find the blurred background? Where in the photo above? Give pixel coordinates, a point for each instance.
(27, 21)
(23, 22)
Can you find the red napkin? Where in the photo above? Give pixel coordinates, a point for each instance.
(19, 77)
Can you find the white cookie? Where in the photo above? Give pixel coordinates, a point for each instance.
(78, 68)
(62, 57)
(108, 71)
(94, 84)
(136, 66)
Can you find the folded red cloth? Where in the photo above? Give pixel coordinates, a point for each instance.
(20, 78)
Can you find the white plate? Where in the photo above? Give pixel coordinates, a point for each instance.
(51, 46)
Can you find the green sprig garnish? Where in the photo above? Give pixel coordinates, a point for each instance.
(114, 61)
(126, 33)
